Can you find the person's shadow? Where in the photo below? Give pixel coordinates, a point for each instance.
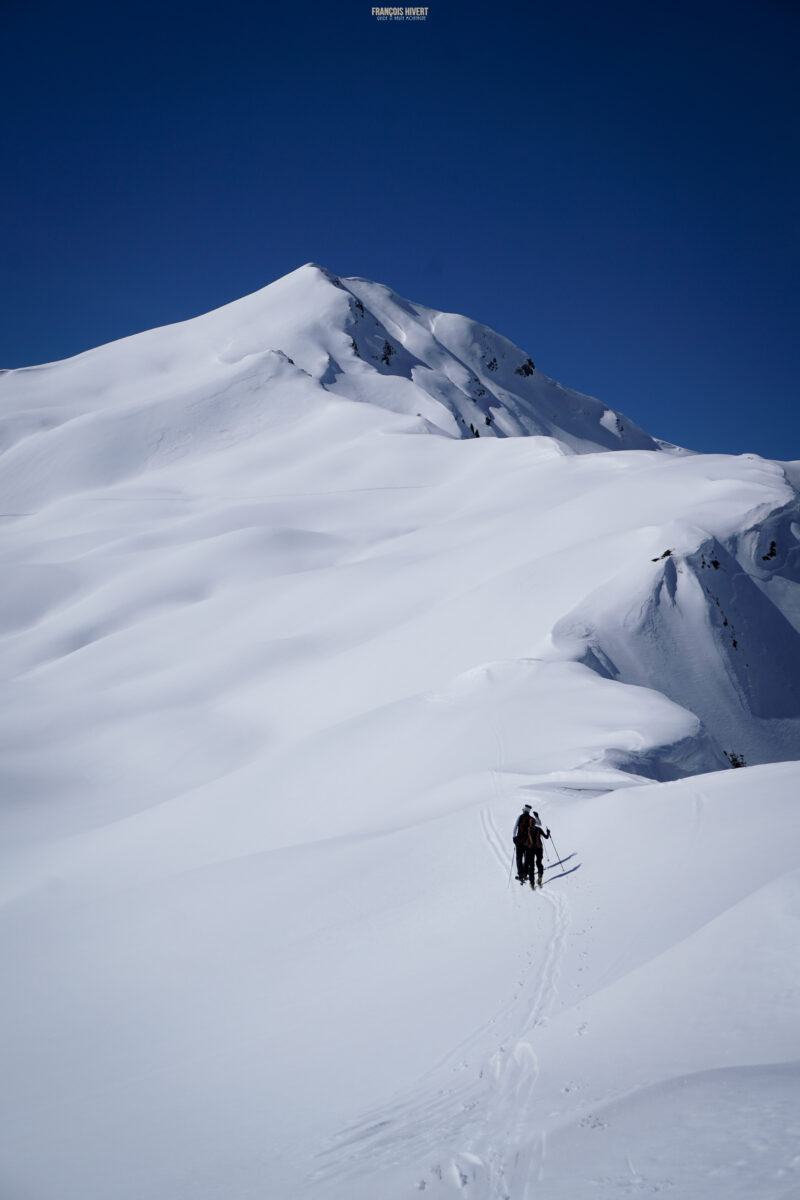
(560, 863)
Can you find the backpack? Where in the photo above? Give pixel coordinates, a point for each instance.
(525, 828)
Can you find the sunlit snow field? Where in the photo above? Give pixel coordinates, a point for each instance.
(285, 647)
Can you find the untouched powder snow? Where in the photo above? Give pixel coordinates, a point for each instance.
(284, 647)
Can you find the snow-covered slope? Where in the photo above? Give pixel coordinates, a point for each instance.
(251, 367)
(284, 647)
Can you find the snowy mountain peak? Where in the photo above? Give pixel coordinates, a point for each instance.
(347, 338)
(458, 376)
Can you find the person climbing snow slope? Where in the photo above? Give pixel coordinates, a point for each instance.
(523, 840)
(528, 835)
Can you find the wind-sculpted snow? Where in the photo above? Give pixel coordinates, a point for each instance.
(714, 624)
(284, 647)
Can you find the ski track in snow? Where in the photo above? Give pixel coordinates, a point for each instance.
(454, 1128)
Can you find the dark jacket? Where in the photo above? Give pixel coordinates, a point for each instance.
(523, 830)
(537, 833)
(528, 831)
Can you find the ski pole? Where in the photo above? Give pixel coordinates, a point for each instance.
(511, 866)
(555, 851)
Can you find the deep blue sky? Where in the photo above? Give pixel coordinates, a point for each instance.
(612, 186)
